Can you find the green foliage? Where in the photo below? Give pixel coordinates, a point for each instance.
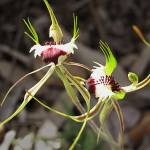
(87, 139)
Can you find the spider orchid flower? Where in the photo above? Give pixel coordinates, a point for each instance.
(102, 84)
(54, 53)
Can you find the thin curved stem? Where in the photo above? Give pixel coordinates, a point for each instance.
(96, 129)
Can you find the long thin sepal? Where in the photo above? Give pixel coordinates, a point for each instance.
(20, 80)
(143, 83)
(15, 113)
(68, 87)
(84, 92)
(103, 117)
(119, 113)
(35, 88)
(85, 95)
(65, 115)
(54, 30)
(80, 118)
(93, 112)
(77, 64)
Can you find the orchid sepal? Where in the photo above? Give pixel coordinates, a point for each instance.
(62, 71)
(34, 89)
(21, 80)
(143, 83)
(78, 64)
(54, 30)
(103, 116)
(135, 85)
(119, 113)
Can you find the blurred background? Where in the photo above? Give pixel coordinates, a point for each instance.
(108, 20)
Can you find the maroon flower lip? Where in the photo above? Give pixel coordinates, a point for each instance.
(91, 83)
(51, 54)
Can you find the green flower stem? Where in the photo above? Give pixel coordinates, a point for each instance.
(104, 135)
(109, 137)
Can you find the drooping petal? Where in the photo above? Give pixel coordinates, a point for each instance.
(85, 95)
(36, 87)
(119, 113)
(111, 62)
(33, 90)
(21, 80)
(143, 83)
(103, 116)
(77, 64)
(54, 30)
(81, 118)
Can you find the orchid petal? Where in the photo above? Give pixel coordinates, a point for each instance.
(77, 64)
(67, 85)
(35, 88)
(21, 80)
(104, 115)
(84, 92)
(85, 95)
(54, 30)
(118, 110)
(111, 62)
(27, 98)
(93, 112)
(136, 86)
(143, 83)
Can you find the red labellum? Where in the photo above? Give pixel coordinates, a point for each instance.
(91, 83)
(51, 54)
